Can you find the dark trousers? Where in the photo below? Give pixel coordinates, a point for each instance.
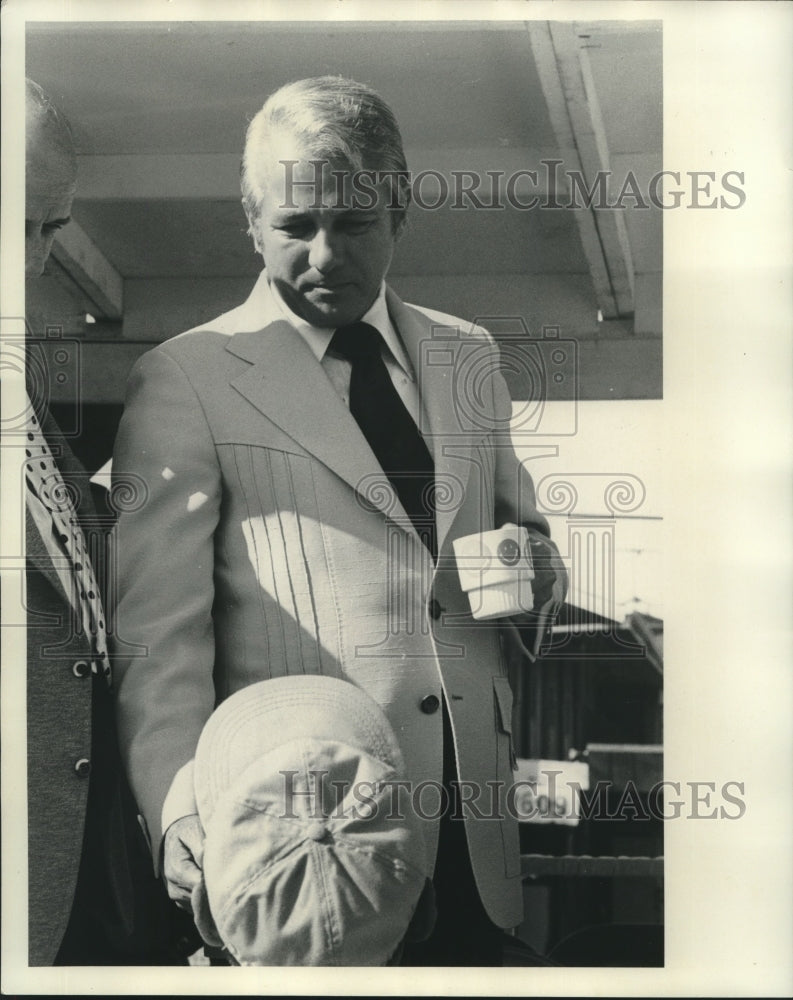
(463, 932)
(121, 914)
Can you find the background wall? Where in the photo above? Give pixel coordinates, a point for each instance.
(159, 112)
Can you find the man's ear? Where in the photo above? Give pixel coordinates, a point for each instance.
(253, 232)
(399, 228)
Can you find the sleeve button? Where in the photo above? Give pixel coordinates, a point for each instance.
(83, 767)
(81, 668)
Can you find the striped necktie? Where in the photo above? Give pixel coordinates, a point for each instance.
(44, 480)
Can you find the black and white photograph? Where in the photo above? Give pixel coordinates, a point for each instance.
(380, 385)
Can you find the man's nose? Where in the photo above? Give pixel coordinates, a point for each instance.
(37, 250)
(325, 252)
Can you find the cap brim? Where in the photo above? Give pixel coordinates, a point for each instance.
(259, 718)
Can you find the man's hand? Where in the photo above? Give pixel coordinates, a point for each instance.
(549, 588)
(550, 576)
(183, 855)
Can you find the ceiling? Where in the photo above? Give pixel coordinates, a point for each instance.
(169, 88)
(159, 112)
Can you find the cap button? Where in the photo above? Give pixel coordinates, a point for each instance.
(316, 831)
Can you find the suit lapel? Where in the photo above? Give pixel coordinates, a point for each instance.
(38, 557)
(37, 552)
(287, 384)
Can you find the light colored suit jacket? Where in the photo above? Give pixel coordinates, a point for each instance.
(270, 543)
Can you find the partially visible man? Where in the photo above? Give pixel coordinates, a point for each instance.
(90, 900)
(309, 459)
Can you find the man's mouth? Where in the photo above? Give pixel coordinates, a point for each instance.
(329, 286)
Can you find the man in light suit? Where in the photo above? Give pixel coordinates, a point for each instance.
(90, 900)
(276, 538)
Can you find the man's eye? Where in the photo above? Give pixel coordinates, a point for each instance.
(46, 229)
(297, 230)
(358, 225)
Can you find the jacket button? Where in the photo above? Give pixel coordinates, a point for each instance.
(83, 767)
(317, 831)
(435, 608)
(430, 704)
(81, 668)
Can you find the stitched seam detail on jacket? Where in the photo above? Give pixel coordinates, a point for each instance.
(236, 456)
(306, 566)
(266, 526)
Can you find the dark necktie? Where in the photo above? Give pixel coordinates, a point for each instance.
(388, 427)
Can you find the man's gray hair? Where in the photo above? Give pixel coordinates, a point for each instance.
(334, 119)
(42, 115)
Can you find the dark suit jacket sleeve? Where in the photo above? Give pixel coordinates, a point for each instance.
(164, 642)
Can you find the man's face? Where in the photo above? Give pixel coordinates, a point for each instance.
(49, 192)
(326, 256)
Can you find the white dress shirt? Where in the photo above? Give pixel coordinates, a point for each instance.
(338, 369)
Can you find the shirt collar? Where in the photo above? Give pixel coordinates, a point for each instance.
(319, 338)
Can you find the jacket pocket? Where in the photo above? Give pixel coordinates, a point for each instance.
(506, 764)
(504, 702)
